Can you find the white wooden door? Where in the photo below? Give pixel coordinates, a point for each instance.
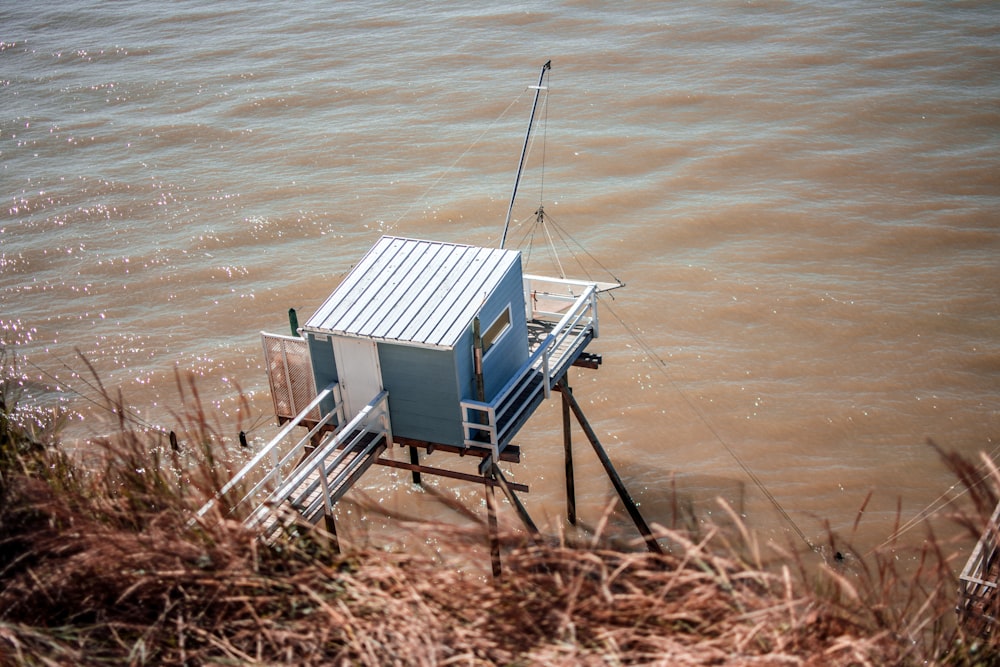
(358, 370)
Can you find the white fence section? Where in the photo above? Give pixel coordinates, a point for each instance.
(549, 299)
(572, 305)
(290, 375)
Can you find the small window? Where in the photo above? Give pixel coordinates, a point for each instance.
(495, 330)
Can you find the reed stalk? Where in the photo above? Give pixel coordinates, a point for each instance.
(103, 564)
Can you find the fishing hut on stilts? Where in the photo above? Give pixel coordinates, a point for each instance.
(439, 349)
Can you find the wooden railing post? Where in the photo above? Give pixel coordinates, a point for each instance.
(415, 460)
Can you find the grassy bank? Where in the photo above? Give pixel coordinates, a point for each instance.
(101, 564)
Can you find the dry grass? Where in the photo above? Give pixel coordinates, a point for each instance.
(104, 566)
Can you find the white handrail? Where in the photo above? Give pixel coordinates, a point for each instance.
(324, 469)
(317, 460)
(582, 305)
(540, 360)
(271, 447)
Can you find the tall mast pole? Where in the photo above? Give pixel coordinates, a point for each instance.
(524, 151)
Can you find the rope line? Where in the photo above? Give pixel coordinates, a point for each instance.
(454, 164)
(934, 507)
(930, 510)
(564, 235)
(661, 366)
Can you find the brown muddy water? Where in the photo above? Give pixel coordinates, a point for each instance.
(802, 198)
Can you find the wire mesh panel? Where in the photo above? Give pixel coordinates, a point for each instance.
(289, 373)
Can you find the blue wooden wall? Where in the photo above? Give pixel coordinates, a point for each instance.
(423, 392)
(505, 358)
(426, 385)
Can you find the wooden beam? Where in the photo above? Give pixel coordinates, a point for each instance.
(510, 453)
(452, 474)
(588, 360)
(609, 468)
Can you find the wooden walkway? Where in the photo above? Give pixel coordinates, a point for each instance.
(298, 483)
(565, 350)
(319, 482)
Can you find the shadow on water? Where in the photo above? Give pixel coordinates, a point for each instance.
(683, 503)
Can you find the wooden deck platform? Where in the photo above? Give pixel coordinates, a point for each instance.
(567, 350)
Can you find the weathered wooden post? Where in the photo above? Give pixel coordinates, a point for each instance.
(331, 527)
(494, 530)
(415, 460)
(477, 355)
(609, 468)
(568, 449)
(522, 513)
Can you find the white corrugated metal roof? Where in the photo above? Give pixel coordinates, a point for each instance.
(408, 290)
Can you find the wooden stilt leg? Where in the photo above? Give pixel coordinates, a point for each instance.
(491, 518)
(331, 527)
(568, 449)
(415, 460)
(516, 502)
(616, 481)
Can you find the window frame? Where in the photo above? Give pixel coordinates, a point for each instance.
(493, 333)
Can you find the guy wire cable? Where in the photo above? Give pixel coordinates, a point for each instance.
(942, 501)
(447, 171)
(932, 508)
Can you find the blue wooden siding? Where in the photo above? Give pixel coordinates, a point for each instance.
(510, 351)
(423, 393)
